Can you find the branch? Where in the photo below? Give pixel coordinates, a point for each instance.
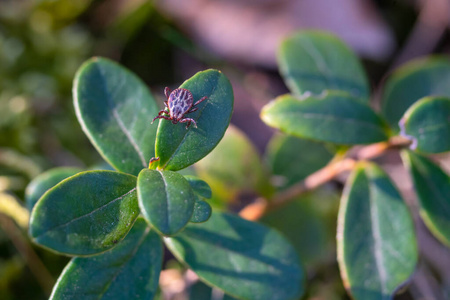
(261, 206)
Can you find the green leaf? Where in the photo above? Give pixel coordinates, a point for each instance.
(202, 209)
(200, 187)
(377, 248)
(427, 123)
(178, 147)
(292, 159)
(245, 259)
(166, 200)
(115, 109)
(233, 167)
(85, 214)
(129, 271)
(202, 212)
(334, 117)
(315, 61)
(45, 181)
(417, 79)
(432, 185)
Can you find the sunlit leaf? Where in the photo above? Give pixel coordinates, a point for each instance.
(245, 259)
(202, 212)
(178, 147)
(427, 124)
(417, 79)
(432, 185)
(129, 271)
(85, 214)
(315, 61)
(199, 186)
(39, 185)
(166, 200)
(334, 117)
(377, 248)
(115, 109)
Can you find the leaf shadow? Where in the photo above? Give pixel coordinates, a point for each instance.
(241, 260)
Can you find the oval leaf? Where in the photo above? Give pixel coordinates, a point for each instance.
(292, 159)
(245, 259)
(166, 200)
(233, 167)
(85, 214)
(334, 117)
(115, 109)
(202, 212)
(432, 185)
(427, 123)
(45, 181)
(200, 187)
(415, 80)
(315, 61)
(178, 147)
(129, 271)
(377, 248)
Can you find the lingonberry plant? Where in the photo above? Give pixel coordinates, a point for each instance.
(115, 223)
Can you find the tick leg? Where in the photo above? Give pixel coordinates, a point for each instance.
(189, 120)
(159, 114)
(167, 92)
(200, 101)
(166, 104)
(161, 117)
(192, 110)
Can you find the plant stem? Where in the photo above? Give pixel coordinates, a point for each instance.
(261, 206)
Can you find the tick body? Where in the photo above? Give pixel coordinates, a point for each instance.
(179, 103)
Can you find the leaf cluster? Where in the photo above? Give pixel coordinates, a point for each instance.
(329, 103)
(115, 222)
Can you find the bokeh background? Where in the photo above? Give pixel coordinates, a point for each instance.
(42, 43)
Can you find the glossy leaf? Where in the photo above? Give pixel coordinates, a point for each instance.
(200, 187)
(45, 181)
(245, 259)
(178, 147)
(332, 117)
(377, 248)
(166, 200)
(415, 80)
(427, 124)
(129, 271)
(115, 109)
(85, 214)
(292, 159)
(432, 185)
(233, 167)
(315, 61)
(202, 211)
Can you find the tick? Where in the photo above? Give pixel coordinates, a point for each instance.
(179, 103)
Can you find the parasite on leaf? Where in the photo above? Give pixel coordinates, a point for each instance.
(179, 103)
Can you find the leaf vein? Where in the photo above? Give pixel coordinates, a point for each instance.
(88, 214)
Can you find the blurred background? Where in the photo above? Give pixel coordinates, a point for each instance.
(42, 43)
